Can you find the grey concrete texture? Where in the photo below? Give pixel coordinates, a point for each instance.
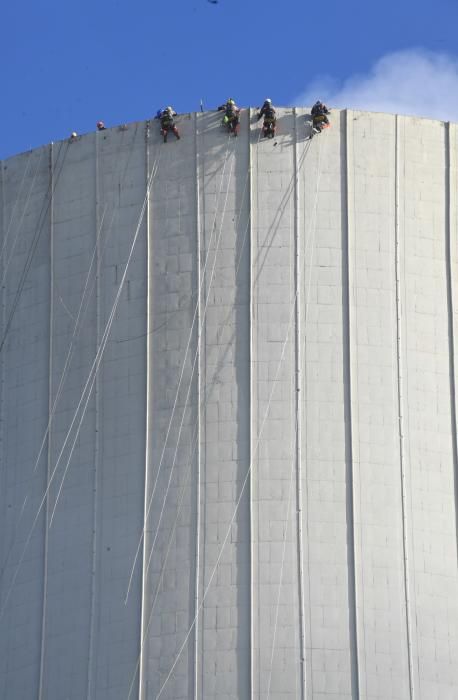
(228, 425)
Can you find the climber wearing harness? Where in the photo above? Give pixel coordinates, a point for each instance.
(231, 117)
(320, 120)
(167, 122)
(270, 120)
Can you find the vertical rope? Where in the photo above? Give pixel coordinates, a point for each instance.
(3, 472)
(355, 426)
(91, 646)
(400, 380)
(41, 691)
(32, 249)
(250, 408)
(254, 378)
(307, 283)
(6, 229)
(450, 250)
(298, 409)
(149, 270)
(346, 291)
(16, 237)
(198, 437)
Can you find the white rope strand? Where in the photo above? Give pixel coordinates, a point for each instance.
(80, 317)
(99, 355)
(203, 401)
(18, 230)
(186, 402)
(311, 237)
(24, 174)
(169, 544)
(277, 607)
(33, 247)
(244, 483)
(192, 374)
(87, 388)
(176, 395)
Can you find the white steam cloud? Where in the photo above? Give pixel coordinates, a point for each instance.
(416, 82)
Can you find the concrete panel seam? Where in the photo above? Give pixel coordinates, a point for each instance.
(2, 369)
(348, 399)
(92, 649)
(250, 409)
(355, 406)
(33, 247)
(198, 417)
(309, 240)
(42, 671)
(146, 505)
(203, 359)
(298, 407)
(450, 254)
(400, 320)
(254, 419)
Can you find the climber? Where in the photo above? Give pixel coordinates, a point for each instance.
(231, 117)
(270, 120)
(167, 123)
(320, 120)
(319, 108)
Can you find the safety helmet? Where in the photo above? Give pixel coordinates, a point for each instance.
(169, 109)
(230, 101)
(268, 100)
(100, 125)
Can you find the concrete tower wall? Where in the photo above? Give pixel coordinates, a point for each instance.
(228, 413)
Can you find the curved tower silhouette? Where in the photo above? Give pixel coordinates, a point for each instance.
(228, 413)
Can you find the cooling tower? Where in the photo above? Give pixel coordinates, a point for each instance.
(228, 413)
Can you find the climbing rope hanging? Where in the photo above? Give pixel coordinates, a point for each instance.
(85, 395)
(242, 489)
(33, 247)
(174, 406)
(87, 293)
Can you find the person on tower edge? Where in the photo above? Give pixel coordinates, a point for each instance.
(270, 119)
(320, 120)
(231, 117)
(166, 117)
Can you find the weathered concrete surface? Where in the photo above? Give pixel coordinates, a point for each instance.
(228, 413)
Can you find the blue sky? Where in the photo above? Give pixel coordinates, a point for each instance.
(63, 65)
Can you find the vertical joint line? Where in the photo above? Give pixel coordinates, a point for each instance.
(348, 422)
(399, 350)
(298, 407)
(149, 268)
(3, 320)
(198, 435)
(450, 215)
(41, 693)
(91, 645)
(250, 372)
(3, 361)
